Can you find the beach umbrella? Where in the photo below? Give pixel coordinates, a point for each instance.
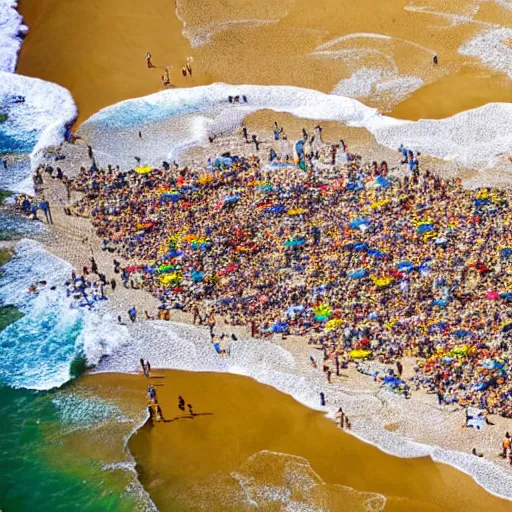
(492, 295)
(143, 170)
(357, 274)
(360, 354)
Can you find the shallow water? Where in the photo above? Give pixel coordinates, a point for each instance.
(40, 466)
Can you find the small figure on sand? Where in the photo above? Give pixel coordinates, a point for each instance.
(189, 65)
(181, 403)
(166, 79)
(159, 414)
(151, 392)
(435, 59)
(184, 71)
(148, 60)
(340, 418)
(132, 313)
(146, 368)
(190, 410)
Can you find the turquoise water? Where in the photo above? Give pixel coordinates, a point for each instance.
(40, 470)
(33, 475)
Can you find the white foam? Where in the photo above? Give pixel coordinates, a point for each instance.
(368, 35)
(472, 138)
(39, 349)
(493, 47)
(37, 123)
(199, 36)
(12, 31)
(375, 82)
(185, 347)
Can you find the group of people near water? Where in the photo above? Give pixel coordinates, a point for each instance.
(186, 69)
(368, 263)
(153, 408)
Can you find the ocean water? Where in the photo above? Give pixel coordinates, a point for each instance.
(50, 345)
(27, 128)
(474, 138)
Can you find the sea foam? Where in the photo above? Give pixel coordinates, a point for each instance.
(473, 138)
(38, 350)
(12, 31)
(185, 347)
(33, 125)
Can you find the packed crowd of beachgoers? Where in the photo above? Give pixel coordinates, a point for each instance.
(368, 265)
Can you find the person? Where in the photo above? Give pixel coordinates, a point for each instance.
(190, 410)
(196, 315)
(245, 134)
(474, 452)
(94, 266)
(165, 79)
(113, 284)
(45, 206)
(507, 442)
(148, 368)
(143, 366)
(322, 399)
(435, 59)
(4, 162)
(132, 313)
(256, 142)
(184, 71)
(151, 413)
(159, 413)
(148, 59)
(181, 403)
(189, 66)
(399, 368)
(340, 418)
(151, 393)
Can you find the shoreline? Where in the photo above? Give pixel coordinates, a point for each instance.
(224, 395)
(271, 44)
(70, 230)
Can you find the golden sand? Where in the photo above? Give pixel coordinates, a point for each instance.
(96, 49)
(185, 463)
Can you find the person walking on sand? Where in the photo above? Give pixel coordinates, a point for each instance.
(132, 313)
(45, 206)
(189, 66)
(340, 418)
(147, 369)
(159, 413)
(148, 59)
(184, 71)
(166, 80)
(190, 410)
(181, 403)
(435, 60)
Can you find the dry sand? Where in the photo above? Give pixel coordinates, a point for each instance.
(96, 49)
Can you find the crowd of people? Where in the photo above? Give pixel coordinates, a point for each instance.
(364, 263)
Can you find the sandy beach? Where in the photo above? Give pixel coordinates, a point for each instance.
(295, 43)
(377, 416)
(228, 436)
(258, 434)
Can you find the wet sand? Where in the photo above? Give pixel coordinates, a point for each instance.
(185, 463)
(96, 49)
